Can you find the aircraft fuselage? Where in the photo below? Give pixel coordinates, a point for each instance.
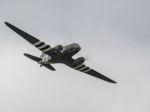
(65, 56)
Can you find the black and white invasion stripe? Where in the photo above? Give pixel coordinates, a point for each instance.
(42, 46)
(82, 68)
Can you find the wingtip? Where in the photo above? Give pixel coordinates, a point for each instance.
(25, 54)
(114, 82)
(6, 23)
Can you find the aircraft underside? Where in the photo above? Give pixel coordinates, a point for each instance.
(58, 54)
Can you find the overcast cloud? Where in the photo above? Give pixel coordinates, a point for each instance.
(114, 35)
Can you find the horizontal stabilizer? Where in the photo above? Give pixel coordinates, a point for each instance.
(34, 58)
(37, 59)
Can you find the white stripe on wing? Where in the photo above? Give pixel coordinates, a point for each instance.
(37, 43)
(40, 47)
(87, 70)
(48, 49)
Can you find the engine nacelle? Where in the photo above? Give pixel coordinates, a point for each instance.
(78, 61)
(71, 49)
(58, 48)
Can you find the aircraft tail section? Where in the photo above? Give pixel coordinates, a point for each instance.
(37, 59)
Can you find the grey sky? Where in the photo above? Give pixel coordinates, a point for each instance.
(114, 35)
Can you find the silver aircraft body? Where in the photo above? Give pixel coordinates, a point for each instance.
(58, 54)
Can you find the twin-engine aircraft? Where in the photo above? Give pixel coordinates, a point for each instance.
(58, 54)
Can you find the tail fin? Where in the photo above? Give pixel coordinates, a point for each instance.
(37, 59)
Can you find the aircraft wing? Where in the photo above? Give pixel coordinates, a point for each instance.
(89, 71)
(34, 41)
(37, 59)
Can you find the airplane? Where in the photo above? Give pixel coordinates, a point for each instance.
(58, 54)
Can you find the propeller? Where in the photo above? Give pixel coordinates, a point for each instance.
(86, 57)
